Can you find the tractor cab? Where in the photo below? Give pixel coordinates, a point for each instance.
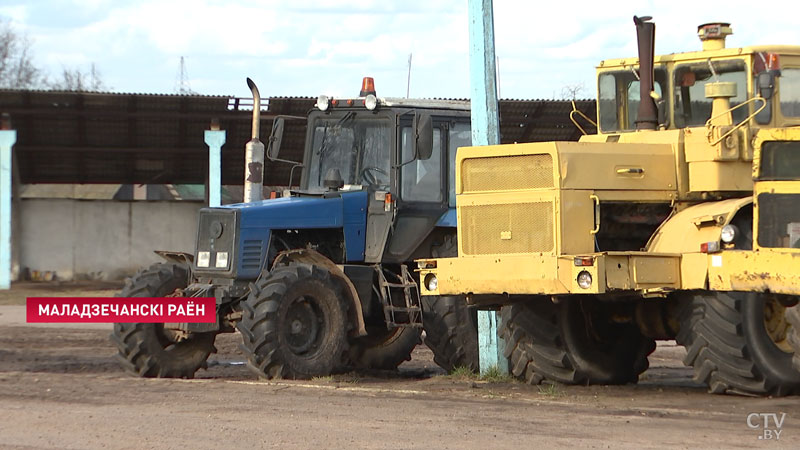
(761, 85)
(400, 152)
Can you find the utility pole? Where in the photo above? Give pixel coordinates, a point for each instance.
(485, 131)
(408, 85)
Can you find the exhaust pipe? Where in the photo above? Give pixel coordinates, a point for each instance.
(647, 118)
(254, 153)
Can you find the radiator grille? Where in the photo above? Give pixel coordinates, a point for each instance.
(251, 254)
(507, 228)
(505, 173)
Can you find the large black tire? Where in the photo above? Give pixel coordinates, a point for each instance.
(793, 316)
(728, 345)
(294, 324)
(572, 342)
(147, 349)
(384, 350)
(451, 332)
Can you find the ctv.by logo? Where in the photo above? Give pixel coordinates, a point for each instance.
(769, 423)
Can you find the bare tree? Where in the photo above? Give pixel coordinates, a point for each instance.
(74, 79)
(17, 70)
(571, 91)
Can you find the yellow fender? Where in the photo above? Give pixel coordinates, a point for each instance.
(684, 231)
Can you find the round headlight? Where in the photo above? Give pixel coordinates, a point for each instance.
(323, 102)
(728, 233)
(431, 282)
(585, 279)
(371, 102)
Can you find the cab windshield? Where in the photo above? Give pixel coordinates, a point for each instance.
(692, 107)
(356, 144)
(619, 98)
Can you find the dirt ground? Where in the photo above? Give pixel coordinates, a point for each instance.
(60, 387)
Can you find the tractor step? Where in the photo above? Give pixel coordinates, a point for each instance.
(399, 309)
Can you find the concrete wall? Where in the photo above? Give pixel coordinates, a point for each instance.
(101, 239)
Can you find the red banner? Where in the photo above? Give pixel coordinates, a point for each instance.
(121, 309)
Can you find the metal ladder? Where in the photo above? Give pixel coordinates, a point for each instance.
(411, 299)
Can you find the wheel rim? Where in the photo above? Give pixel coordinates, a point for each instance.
(303, 324)
(778, 328)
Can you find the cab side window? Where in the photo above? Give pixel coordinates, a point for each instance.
(421, 181)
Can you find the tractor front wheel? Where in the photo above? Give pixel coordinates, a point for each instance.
(149, 349)
(793, 316)
(737, 343)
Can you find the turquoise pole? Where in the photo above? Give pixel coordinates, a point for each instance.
(215, 139)
(485, 131)
(7, 140)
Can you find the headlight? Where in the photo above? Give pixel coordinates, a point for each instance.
(322, 102)
(371, 102)
(431, 283)
(585, 279)
(728, 233)
(203, 259)
(222, 260)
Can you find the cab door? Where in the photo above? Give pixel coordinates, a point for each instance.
(422, 193)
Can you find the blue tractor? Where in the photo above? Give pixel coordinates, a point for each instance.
(321, 280)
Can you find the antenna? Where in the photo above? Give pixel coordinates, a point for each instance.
(408, 85)
(182, 85)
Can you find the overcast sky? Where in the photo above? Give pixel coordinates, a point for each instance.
(305, 48)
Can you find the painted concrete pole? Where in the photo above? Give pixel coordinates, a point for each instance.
(215, 139)
(485, 131)
(8, 138)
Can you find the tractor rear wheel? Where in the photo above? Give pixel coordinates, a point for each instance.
(294, 323)
(384, 349)
(737, 343)
(149, 349)
(572, 342)
(451, 332)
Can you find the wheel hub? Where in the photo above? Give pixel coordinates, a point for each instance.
(303, 320)
(777, 326)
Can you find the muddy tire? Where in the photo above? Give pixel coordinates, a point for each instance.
(793, 316)
(147, 349)
(451, 332)
(729, 347)
(384, 350)
(294, 324)
(573, 342)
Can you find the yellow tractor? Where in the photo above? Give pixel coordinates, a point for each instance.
(679, 220)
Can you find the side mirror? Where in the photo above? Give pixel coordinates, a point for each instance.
(423, 136)
(275, 139)
(766, 84)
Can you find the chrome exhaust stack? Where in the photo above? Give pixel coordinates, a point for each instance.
(254, 153)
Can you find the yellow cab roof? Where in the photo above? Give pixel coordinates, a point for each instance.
(702, 55)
